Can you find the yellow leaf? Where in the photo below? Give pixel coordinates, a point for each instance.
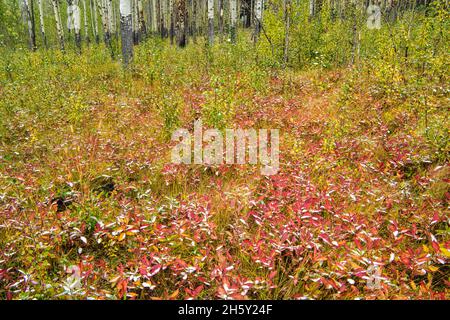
(445, 252)
(122, 236)
(433, 268)
(413, 285)
(174, 295)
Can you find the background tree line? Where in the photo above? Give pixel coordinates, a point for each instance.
(288, 26)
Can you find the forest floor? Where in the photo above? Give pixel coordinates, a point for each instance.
(358, 209)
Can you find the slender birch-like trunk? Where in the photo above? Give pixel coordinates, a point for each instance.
(86, 26)
(258, 19)
(41, 22)
(28, 7)
(154, 16)
(94, 20)
(233, 20)
(211, 22)
(59, 28)
(312, 8)
(74, 21)
(126, 31)
(220, 21)
(111, 17)
(76, 14)
(105, 25)
(69, 22)
(103, 10)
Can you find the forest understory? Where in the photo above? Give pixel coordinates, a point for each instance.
(86, 178)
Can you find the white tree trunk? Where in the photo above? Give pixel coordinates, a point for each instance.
(41, 22)
(105, 21)
(154, 20)
(28, 8)
(110, 15)
(258, 18)
(94, 20)
(312, 8)
(86, 26)
(211, 21)
(76, 16)
(59, 28)
(69, 12)
(233, 20)
(126, 31)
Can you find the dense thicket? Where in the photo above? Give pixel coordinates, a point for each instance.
(358, 209)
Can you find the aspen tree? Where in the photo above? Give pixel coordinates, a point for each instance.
(154, 16)
(233, 20)
(126, 31)
(29, 12)
(258, 19)
(86, 27)
(69, 22)
(211, 22)
(59, 28)
(220, 20)
(312, 8)
(94, 20)
(111, 17)
(76, 16)
(41, 22)
(103, 10)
